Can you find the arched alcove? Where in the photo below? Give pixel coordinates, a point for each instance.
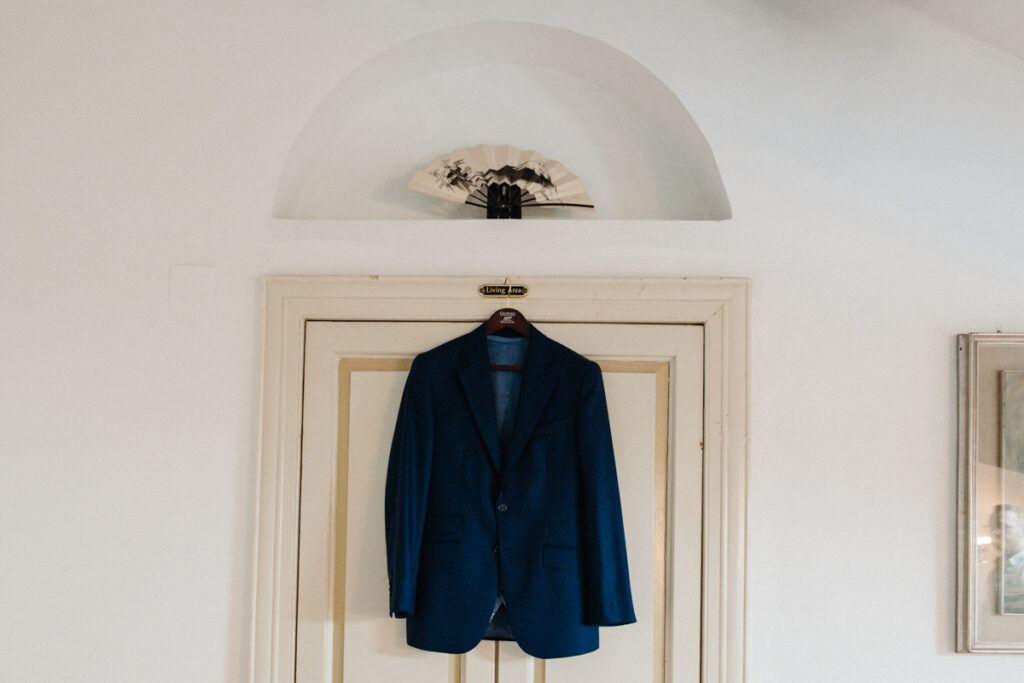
(569, 96)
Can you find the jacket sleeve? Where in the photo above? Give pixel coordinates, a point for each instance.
(405, 494)
(608, 601)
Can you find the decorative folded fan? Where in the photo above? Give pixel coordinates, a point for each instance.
(503, 179)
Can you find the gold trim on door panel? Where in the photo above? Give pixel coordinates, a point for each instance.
(346, 366)
(660, 370)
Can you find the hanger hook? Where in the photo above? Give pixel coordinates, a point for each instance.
(508, 291)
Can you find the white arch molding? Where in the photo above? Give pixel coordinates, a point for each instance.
(570, 96)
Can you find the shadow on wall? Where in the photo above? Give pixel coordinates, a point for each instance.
(571, 97)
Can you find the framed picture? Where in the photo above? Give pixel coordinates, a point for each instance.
(990, 534)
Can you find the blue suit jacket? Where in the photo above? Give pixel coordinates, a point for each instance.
(541, 522)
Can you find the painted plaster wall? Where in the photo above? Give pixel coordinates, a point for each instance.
(872, 158)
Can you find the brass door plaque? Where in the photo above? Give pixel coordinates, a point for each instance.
(504, 291)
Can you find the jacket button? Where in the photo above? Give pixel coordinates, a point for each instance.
(502, 507)
(495, 549)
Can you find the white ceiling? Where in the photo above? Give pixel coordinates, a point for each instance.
(999, 23)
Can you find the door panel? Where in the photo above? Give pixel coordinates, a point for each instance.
(354, 374)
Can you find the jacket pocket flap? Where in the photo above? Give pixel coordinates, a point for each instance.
(553, 427)
(443, 527)
(559, 557)
(441, 552)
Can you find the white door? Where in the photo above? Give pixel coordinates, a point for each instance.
(353, 377)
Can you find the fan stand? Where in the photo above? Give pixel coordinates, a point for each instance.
(504, 200)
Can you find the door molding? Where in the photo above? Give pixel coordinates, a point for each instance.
(719, 304)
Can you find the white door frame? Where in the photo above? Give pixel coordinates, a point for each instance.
(719, 304)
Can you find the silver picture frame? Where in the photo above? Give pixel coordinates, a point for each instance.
(990, 494)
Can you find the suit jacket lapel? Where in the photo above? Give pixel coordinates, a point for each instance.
(539, 377)
(475, 377)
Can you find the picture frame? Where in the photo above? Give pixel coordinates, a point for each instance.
(990, 493)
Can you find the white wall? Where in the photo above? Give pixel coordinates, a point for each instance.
(872, 157)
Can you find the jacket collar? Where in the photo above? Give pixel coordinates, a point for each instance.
(538, 381)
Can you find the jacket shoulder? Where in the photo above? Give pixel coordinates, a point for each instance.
(445, 352)
(570, 361)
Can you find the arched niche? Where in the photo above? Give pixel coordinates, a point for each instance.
(571, 97)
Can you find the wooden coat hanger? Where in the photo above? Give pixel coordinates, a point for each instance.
(507, 322)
